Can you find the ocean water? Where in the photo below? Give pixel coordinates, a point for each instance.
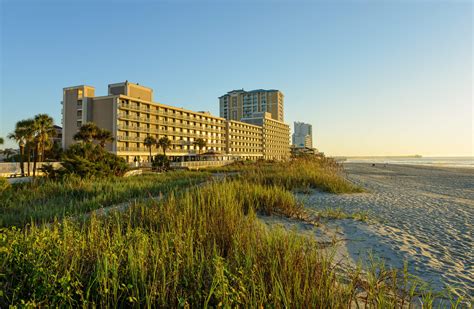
(459, 162)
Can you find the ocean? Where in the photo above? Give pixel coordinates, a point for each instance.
(459, 162)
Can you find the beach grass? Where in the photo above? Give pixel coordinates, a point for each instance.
(194, 248)
(201, 245)
(43, 200)
(300, 174)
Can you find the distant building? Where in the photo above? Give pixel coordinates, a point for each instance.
(59, 135)
(303, 135)
(239, 104)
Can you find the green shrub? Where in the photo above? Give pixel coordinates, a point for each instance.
(4, 184)
(89, 160)
(161, 163)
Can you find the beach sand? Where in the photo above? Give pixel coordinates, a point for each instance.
(418, 214)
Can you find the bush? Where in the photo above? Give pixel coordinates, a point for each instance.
(89, 160)
(161, 163)
(4, 184)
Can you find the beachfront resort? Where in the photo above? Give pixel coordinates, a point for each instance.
(250, 125)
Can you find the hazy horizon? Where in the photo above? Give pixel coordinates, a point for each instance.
(373, 78)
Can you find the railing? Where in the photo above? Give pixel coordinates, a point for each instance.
(166, 132)
(8, 169)
(171, 123)
(168, 114)
(200, 164)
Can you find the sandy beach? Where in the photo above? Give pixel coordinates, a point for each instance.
(422, 215)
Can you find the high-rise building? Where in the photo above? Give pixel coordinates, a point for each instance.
(303, 135)
(129, 112)
(239, 104)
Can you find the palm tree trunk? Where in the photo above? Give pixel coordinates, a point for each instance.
(150, 155)
(29, 159)
(35, 159)
(22, 166)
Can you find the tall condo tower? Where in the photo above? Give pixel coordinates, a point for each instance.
(239, 104)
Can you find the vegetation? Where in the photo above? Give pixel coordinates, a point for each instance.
(86, 159)
(19, 135)
(302, 173)
(1, 141)
(34, 135)
(89, 160)
(161, 163)
(200, 143)
(87, 132)
(149, 142)
(198, 248)
(4, 184)
(45, 199)
(164, 143)
(90, 132)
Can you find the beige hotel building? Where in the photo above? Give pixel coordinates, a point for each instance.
(129, 112)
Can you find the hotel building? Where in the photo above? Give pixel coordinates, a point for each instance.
(129, 112)
(239, 104)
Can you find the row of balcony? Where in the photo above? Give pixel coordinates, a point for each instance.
(135, 139)
(167, 132)
(170, 123)
(143, 149)
(168, 114)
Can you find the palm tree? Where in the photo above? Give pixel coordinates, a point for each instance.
(43, 131)
(1, 141)
(28, 131)
(149, 142)
(164, 143)
(103, 136)
(87, 132)
(200, 143)
(20, 135)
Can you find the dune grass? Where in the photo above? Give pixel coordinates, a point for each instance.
(297, 174)
(200, 247)
(44, 200)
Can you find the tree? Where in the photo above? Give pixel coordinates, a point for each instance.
(200, 143)
(7, 153)
(103, 136)
(149, 142)
(43, 131)
(164, 143)
(161, 163)
(1, 141)
(87, 132)
(90, 160)
(28, 131)
(21, 136)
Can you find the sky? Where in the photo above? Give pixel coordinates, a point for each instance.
(372, 77)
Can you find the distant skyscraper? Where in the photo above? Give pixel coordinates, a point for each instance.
(239, 104)
(303, 135)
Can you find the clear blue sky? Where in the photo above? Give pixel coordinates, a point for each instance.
(373, 77)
